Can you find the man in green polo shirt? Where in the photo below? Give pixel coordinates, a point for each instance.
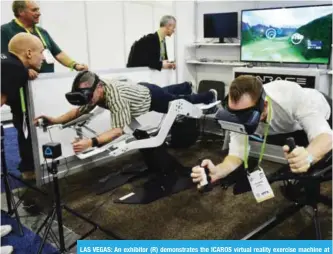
(27, 15)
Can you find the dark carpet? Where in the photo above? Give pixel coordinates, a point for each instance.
(28, 243)
(12, 157)
(187, 215)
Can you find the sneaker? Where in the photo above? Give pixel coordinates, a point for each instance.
(5, 230)
(215, 95)
(6, 249)
(214, 109)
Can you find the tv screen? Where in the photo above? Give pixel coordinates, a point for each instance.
(288, 35)
(220, 25)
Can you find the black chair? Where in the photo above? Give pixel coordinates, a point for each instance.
(219, 86)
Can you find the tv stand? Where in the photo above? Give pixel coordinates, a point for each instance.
(221, 40)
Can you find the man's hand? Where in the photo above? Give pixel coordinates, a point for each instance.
(173, 65)
(49, 120)
(213, 172)
(167, 64)
(81, 145)
(297, 159)
(81, 67)
(32, 74)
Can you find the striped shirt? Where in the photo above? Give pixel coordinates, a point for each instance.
(124, 99)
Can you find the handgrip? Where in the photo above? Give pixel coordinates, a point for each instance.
(290, 142)
(43, 123)
(205, 184)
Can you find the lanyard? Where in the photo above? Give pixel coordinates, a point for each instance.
(22, 100)
(262, 150)
(36, 28)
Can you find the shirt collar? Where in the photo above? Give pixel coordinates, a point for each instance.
(160, 36)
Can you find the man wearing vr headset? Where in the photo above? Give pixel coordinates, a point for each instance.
(124, 100)
(282, 109)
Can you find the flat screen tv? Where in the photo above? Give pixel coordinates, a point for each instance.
(221, 25)
(287, 35)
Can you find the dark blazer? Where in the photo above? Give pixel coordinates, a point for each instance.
(146, 52)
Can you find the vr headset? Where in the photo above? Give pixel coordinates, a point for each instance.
(82, 96)
(243, 121)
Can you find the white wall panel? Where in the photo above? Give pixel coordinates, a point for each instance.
(106, 34)
(138, 22)
(185, 34)
(6, 12)
(65, 22)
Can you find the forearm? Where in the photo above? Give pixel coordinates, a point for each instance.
(70, 115)
(229, 164)
(110, 135)
(65, 60)
(320, 146)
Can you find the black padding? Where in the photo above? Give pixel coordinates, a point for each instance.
(184, 132)
(219, 86)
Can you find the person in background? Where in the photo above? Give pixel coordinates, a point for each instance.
(150, 50)
(25, 52)
(5, 230)
(27, 14)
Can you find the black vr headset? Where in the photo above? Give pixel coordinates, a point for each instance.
(82, 96)
(244, 121)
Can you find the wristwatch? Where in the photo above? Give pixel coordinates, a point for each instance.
(310, 159)
(94, 142)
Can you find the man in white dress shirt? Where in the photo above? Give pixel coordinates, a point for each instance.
(287, 108)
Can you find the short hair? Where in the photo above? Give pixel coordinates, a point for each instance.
(18, 6)
(84, 76)
(245, 84)
(166, 19)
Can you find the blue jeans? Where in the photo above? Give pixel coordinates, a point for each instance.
(162, 96)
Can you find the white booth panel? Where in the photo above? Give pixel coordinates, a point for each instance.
(6, 12)
(138, 22)
(65, 22)
(106, 34)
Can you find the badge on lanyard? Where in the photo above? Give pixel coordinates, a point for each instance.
(48, 56)
(260, 186)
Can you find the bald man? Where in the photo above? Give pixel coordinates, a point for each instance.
(25, 52)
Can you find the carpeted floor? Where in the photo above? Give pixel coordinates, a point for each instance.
(28, 243)
(12, 156)
(186, 215)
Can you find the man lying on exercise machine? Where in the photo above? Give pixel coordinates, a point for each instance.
(279, 107)
(125, 101)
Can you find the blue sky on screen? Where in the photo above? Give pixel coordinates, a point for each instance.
(289, 17)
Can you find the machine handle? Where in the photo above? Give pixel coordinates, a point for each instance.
(290, 142)
(205, 184)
